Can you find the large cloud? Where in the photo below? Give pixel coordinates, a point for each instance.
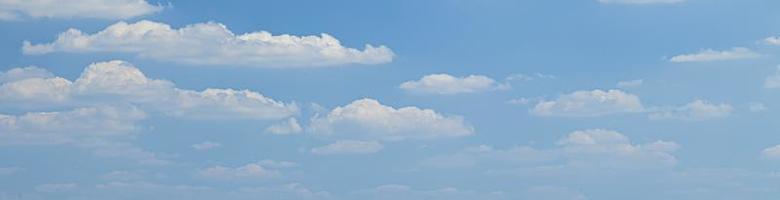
(101, 9)
(736, 53)
(121, 82)
(367, 118)
(213, 44)
(448, 84)
(590, 103)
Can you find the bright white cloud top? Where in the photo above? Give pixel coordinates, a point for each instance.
(709, 55)
(590, 103)
(213, 44)
(367, 118)
(97, 9)
(446, 84)
(349, 147)
(119, 81)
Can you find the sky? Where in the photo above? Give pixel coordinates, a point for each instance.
(417, 100)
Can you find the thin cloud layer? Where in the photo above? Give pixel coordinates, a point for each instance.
(121, 82)
(590, 103)
(695, 111)
(367, 118)
(97, 9)
(446, 84)
(708, 55)
(213, 44)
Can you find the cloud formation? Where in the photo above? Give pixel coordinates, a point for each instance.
(262, 169)
(590, 103)
(773, 81)
(708, 55)
(97, 9)
(695, 111)
(213, 44)
(445, 84)
(367, 118)
(349, 147)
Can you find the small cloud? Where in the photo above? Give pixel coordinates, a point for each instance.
(349, 147)
(445, 84)
(772, 153)
(289, 126)
(708, 55)
(773, 81)
(757, 107)
(6, 171)
(630, 84)
(695, 111)
(206, 145)
(774, 40)
(589, 104)
(56, 187)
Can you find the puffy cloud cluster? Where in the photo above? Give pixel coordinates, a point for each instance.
(99, 9)
(367, 118)
(590, 103)
(446, 84)
(213, 44)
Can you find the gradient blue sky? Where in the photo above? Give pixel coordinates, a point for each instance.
(587, 99)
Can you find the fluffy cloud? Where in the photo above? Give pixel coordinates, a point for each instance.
(68, 126)
(289, 126)
(118, 81)
(213, 44)
(590, 103)
(349, 147)
(262, 169)
(696, 110)
(771, 152)
(736, 53)
(584, 149)
(639, 2)
(17, 74)
(773, 81)
(367, 118)
(447, 84)
(100, 9)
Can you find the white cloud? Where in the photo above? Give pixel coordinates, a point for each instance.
(771, 152)
(640, 2)
(6, 171)
(68, 126)
(630, 84)
(100, 9)
(773, 81)
(213, 44)
(775, 40)
(584, 149)
(206, 145)
(693, 111)
(251, 170)
(590, 103)
(121, 82)
(367, 118)
(17, 74)
(706, 55)
(289, 126)
(446, 84)
(349, 147)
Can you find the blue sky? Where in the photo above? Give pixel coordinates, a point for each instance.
(456, 99)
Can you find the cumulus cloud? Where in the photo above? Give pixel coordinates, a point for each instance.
(583, 149)
(707, 55)
(640, 2)
(349, 147)
(367, 118)
(446, 84)
(206, 145)
(17, 74)
(213, 44)
(121, 82)
(771, 152)
(590, 103)
(262, 169)
(693, 111)
(773, 81)
(289, 126)
(630, 84)
(98, 9)
(775, 40)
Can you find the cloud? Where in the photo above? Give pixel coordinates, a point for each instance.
(251, 170)
(6, 171)
(445, 84)
(694, 111)
(757, 107)
(773, 81)
(640, 2)
(349, 147)
(68, 126)
(708, 55)
(589, 103)
(56, 187)
(367, 118)
(775, 40)
(120, 82)
(206, 145)
(580, 150)
(103, 9)
(289, 126)
(396, 191)
(630, 84)
(771, 152)
(17, 74)
(213, 44)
